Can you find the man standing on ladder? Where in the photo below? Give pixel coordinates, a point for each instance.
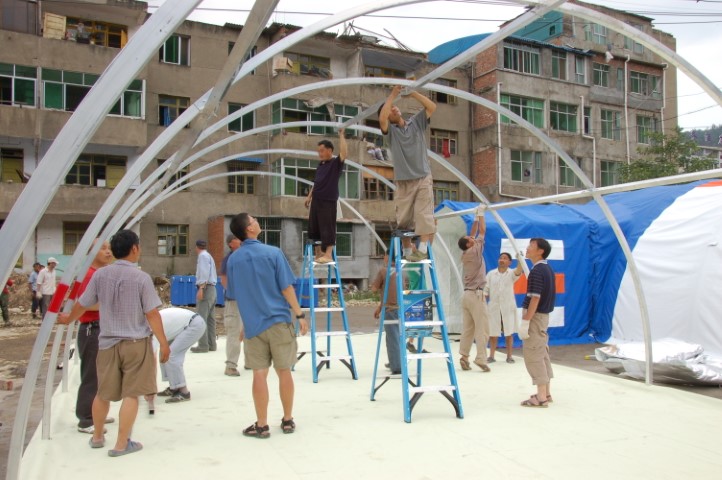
(322, 199)
(414, 196)
(538, 304)
(476, 320)
(206, 279)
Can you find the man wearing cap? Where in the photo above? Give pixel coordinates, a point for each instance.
(206, 279)
(46, 285)
(231, 316)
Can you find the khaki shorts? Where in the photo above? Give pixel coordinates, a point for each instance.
(277, 345)
(127, 369)
(414, 201)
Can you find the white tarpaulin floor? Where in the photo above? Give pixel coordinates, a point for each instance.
(597, 427)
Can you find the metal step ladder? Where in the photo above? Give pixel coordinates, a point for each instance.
(416, 321)
(309, 291)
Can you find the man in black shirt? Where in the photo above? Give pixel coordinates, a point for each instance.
(539, 302)
(323, 197)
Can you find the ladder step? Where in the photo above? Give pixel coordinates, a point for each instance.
(337, 333)
(421, 292)
(427, 262)
(430, 323)
(424, 356)
(432, 388)
(323, 309)
(319, 359)
(326, 285)
(328, 264)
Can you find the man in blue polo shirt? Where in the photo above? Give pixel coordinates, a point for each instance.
(261, 281)
(538, 304)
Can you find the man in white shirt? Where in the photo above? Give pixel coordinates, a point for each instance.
(499, 292)
(46, 285)
(206, 279)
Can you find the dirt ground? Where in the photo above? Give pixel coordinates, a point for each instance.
(17, 339)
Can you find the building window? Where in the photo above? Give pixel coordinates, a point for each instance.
(526, 166)
(96, 170)
(595, 33)
(383, 72)
(375, 189)
(11, 165)
(521, 59)
(343, 113)
(563, 117)
(580, 73)
(385, 236)
(17, 84)
(170, 108)
(445, 191)
(440, 97)
(288, 185)
(587, 120)
(64, 90)
(530, 109)
(183, 172)
(294, 110)
(559, 65)
(645, 125)
(172, 240)
(344, 238)
(620, 79)
(130, 103)
(601, 75)
(176, 50)
(376, 139)
(242, 183)
(609, 173)
(611, 125)
(98, 33)
(645, 84)
(309, 64)
(270, 231)
(72, 234)
(444, 142)
(567, 177)
(243, 124)
(633, 46)
(249, 55)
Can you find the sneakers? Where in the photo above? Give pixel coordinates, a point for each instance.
(490, 360)
(199, 350)
(417, 256)
(90, 430)
(232, 372)
(168, 392)
(179, 397)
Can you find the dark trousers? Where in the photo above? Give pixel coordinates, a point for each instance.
(322, 222)
(88, 351)
(35, 304)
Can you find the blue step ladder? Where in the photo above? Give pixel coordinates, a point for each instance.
(309, 291)
(416, 320)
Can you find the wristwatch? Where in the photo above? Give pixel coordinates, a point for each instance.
(299, 317)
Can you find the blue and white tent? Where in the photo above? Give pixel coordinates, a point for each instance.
(674, 233)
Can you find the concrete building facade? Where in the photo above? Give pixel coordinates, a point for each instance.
(54, 52)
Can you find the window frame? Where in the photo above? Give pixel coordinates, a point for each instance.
(522, 59)
(241, 184)
(306, 64)
(184, 54)
(559, 62)
(563, 117)
(88, 167)
(444, 190)
(73, 232)
(306, 169)
(611, 123)
(271, 230)
(580, 70)
(528, 108)
(176, 105)
(645, 125)
(237, 125)
(181, 233)
(567, 177)
(440, 97)
(15, 78)
(12, 157)
(601, 75)
(608, 173)
(530, 158)
(437, 138)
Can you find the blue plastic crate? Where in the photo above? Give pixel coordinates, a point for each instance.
(301, 285)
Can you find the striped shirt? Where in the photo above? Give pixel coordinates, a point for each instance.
(125, 295)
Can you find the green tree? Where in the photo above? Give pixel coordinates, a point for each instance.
(666, 155)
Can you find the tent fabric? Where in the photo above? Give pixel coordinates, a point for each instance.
(673, 232)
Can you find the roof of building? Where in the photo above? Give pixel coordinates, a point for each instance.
(452, 48)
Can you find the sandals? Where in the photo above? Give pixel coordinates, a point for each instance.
(258, 432)
(288, 426)
(132, 447)
(464, 362)
(531, 402)
(99, 444)
(549, 398)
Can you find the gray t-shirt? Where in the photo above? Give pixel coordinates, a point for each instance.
(408, 148)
